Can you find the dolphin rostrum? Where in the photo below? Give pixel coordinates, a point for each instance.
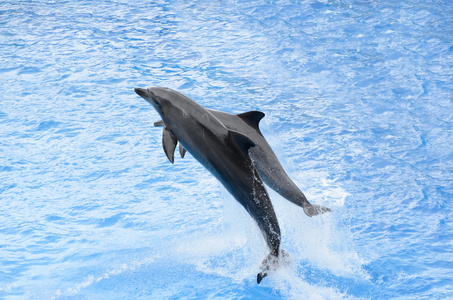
(264, 158)
(224, 153)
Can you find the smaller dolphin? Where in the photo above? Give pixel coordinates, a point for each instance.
(264, 158)
(223, 152)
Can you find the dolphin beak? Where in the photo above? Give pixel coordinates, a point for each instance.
(142, 93)
(147, 95)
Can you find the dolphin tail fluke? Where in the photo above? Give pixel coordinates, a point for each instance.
(271, 263)
(260, 276)
(315, 209)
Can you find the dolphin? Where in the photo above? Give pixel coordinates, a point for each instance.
(224, 153)
(264, 158)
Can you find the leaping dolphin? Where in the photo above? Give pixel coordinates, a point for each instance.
(264, 158)
(223, 152)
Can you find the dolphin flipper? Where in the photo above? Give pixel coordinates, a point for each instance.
(182, 151)
(169, 142)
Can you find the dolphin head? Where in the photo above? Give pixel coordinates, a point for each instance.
(167, 102)
(149, 96)
(160, 98)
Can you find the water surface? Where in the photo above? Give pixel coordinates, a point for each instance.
(358, 103)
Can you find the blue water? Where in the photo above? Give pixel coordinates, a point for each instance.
(358, 102)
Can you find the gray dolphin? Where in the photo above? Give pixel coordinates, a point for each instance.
(223, 152)
(264, 158)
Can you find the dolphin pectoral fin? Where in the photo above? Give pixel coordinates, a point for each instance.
(252, 118)
(182, 150)
(169, 142)
(315, 209)
(159, 123)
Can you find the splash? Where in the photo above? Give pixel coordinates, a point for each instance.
(319, 248)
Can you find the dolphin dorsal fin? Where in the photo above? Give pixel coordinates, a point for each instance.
(252, 118)
(169, 142)
(241, 140)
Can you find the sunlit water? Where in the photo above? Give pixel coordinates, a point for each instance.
(358, 102)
